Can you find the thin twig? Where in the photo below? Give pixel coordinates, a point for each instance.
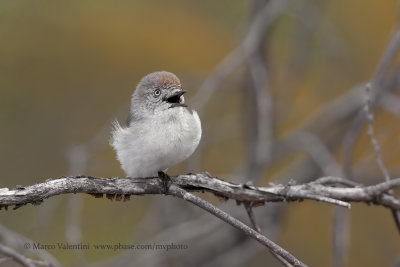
(377, 83)
(387, 57)
(375, 86)
(370, 120)
(391, 103)
(317, 149)
(252, 46)
(329, 180)
(255, 32)
(17, 257)
(14, 239)
(276, 250)
(377, 148)
(250, 213)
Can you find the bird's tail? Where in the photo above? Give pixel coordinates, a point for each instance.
(116, 128)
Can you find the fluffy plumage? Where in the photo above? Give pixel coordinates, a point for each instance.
(161, 132)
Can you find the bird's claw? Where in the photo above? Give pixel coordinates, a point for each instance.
(165, 180)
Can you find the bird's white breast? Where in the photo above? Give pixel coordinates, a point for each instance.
(158, 142)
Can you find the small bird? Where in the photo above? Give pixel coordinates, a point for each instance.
(161, 132)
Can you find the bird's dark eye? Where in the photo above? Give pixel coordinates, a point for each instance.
(157, 92)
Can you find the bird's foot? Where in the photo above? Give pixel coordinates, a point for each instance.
(166, 180)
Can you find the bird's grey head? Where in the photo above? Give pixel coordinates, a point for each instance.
(157, 92)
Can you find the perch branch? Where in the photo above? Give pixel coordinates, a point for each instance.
(327, 189)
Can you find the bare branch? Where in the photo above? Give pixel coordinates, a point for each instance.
(371, 87)
(375, 144)
(276, 250)
(250, 213)
(380, 88)
(386, 59)
(119, 189)
(19, 258)
(122, 189)
(254, 37)
(391, 103)
(14, 239)
(370, 120)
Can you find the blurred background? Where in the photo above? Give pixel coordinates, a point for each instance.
(279, 88)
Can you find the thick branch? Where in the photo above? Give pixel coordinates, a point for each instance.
(118, 189)
(323, 189)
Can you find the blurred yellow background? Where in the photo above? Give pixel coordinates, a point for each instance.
(68, 68)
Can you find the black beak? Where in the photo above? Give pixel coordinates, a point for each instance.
(178, 94)
(175, 99)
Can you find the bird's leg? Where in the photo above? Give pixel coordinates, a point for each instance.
(165, 180)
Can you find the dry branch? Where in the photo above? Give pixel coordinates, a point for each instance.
(280, 253)
(322, 189)
(13, 255)
(119, 189)
(332, 190)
